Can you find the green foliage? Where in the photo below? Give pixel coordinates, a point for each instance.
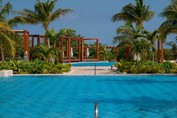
(171, 54)
(44, 53)
(146, 67)
(8, 38)
(35, 67)
(68, 33)
(106, 54)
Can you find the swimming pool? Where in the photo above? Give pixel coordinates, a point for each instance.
(74, 96)
(99, 63)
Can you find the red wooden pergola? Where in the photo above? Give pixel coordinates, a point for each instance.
(66, 48)
(80, 48)
(38, 38)
(26, 42)
(66, 56)
(83, 48)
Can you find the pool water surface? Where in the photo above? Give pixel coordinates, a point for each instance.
(99, 63)
(151, 96)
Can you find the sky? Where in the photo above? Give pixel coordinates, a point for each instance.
(92, 18)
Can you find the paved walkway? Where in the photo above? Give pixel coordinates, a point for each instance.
(87, 70)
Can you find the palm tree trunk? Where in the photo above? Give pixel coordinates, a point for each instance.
(2, 53)
(158, 51)
(162, 52)
(48, 42)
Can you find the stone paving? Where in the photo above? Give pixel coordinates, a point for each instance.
(88, 70)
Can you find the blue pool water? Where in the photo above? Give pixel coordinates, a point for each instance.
(102, 63)
(74, 96)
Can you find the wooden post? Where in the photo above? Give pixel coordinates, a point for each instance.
(28, 45)
(38, 40)
(79, 45)
(26, 42)
(97, 46)
(82, 50)
(62, 51)
(69, 50)
(32, 41)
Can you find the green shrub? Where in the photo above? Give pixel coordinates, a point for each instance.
(35, 67)
(146, 67)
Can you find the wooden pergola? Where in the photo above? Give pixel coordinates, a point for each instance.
(64, 44)
(66, 49)
(83, 49)
(26, 42)
(38, 38)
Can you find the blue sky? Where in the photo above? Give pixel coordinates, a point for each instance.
(92, 18)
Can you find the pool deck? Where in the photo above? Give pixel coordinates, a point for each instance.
(88, 70)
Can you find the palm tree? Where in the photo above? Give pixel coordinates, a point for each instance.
(137, 13)
(170, 13)
(53, 36)
(8, 38)
(133, 34)
(168, 26)
(43, 13)
(134, 38)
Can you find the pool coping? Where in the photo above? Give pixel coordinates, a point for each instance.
(91, 75)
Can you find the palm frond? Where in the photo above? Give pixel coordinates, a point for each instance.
(60, 12)
(4, 11)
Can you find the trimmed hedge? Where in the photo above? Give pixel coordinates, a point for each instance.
(35, 67)
(146, 67)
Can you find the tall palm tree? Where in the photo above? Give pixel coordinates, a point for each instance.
(8, 38)
(170, 13)
(137, 13)
(133, 34)
(168, 26)
(130, 36)
(43, 13)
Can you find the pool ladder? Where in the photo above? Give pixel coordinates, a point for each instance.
(96, 110)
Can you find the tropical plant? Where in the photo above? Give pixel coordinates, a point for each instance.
(137, 13)
(173, 45)
(146, 67)
(5, 10)
(169, 25)
(132, 35)
(69, 33)
(106, 53)
(43, 13)
(170, 13)
(8, 38)
(34, 67)
(53, 37)
(134, 38)
(44, 53)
